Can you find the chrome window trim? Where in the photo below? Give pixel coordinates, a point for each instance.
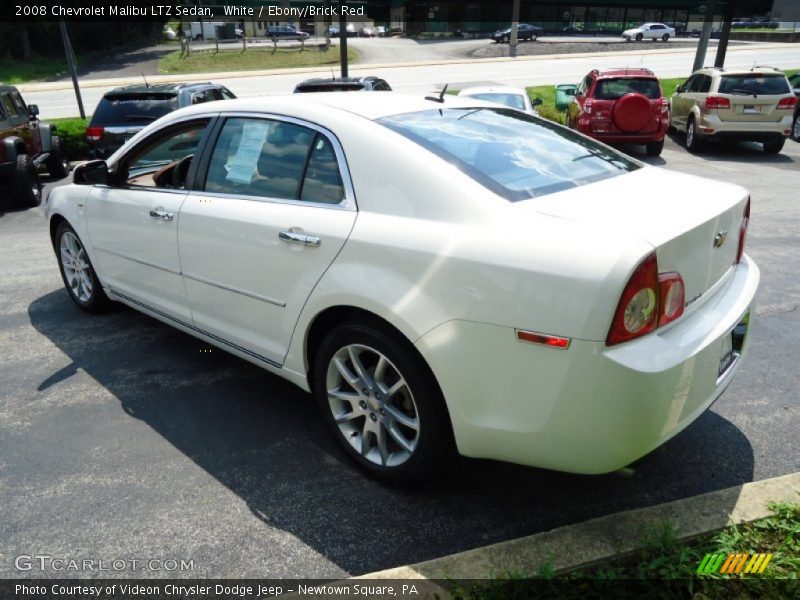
(348, 203)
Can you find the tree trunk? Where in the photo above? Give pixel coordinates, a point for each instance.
(25, 43)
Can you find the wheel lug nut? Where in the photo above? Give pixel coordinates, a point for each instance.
(362, 404)
(373, 417)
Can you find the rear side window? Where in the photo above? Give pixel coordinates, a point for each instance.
(514, 154)
(754, 85)
(612, 89)
(130, 109)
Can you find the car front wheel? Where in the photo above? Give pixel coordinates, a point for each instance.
(639, 37)
(382, 403)
(77, 271)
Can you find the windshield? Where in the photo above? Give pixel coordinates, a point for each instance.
(613, 89)
(510, 100)
(516, 155)
(754, 85)
(137, 109)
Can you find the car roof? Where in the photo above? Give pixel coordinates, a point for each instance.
(492, 89)
(159, 88)
(370, 106)
(624, 72)
(752, 71)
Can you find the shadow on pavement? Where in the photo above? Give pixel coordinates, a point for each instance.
(751, 152)
(262, 438)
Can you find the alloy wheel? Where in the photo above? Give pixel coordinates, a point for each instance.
(796, 128)
(77, 270)
(372, 405)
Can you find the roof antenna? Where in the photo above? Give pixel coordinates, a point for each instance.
(755, 62)
(440, 97)
(147, 85)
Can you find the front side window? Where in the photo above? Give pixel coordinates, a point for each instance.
(22, 110)
(695, 84)
(8, 105)
(516, 155)
(274, 159)
(151, 163)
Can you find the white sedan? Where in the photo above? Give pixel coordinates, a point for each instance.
(649, 31)
(512, 97)
(442, 275)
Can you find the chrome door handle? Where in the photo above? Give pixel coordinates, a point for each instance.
(159, 213)
(299, 238)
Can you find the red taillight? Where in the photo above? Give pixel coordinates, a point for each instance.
(717, 102)
(587, 106)
(787, 103)
(743, 231)
(637, 311)
(94, 134)
(664, 103)
(671, 297)
(553, 341)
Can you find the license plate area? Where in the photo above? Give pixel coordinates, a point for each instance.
(732, 346)
(752, 109)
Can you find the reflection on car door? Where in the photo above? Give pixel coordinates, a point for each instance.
(134, 227)
(270, 212)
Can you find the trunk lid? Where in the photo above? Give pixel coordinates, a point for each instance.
(692, 223)
(753, 98)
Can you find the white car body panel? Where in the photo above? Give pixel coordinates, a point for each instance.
(457, 270)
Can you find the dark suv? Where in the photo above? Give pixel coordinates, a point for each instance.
(343, 84)
(25, 145)
(124, 111)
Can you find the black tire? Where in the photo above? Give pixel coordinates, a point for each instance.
(665, 37)
(26, 189)
(639, 37)
(693, 143)
(532, 38)
(796, 127)
(654, 148)
(433, 445)
(57, 162)
(774, 147)
(96, 299)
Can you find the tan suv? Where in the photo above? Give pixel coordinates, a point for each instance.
(720, 104)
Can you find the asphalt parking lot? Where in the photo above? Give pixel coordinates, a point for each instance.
(125, 439)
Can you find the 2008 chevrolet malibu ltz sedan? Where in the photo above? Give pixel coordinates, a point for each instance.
(443, 275)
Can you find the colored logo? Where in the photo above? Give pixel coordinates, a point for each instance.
(734, 564)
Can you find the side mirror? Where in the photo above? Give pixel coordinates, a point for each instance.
(536, 102)
(91, 173)
(571, 92)
(33, 110)
(680, 89)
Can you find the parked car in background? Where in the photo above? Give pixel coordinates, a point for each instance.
(649, 31)
(525, 31)
(124, 111)
(571, 30)
(562, 273)
(794, 81)
(369, 83)
(367, 32)
(285, 32)
(26, 144)
(621, 106)
(381, 30)
(717, 104)
(512, 97)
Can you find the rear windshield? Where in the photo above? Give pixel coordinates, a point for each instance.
(132, 109)
(510, 100)
(329, 87)
(612, 89)
(516, 155)
(753, 85)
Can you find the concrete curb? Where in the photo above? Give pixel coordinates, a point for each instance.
(590, 542)
(52, 86)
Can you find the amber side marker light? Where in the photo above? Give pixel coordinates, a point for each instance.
(543, 339)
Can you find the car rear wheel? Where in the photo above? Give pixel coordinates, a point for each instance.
(692, 141)
(774, 147)
(57, 162)
(654, 148)
(77, 271)
(27, 187)
(382, 403)
(665, 37)
(639, 37)
(796, 128)
(532, 38)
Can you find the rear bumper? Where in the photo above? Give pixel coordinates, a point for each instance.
(585, 127)
(743, 130)
(589, 408)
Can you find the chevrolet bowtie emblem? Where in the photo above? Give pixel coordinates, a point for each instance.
(720, 238)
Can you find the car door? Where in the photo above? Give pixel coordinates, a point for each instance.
(270, 212)
(681, 102)
(133, 224)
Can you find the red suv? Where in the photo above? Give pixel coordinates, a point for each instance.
(621, 106)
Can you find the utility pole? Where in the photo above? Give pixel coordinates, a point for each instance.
(702, 44)
(71, 62)
(725, 34)
(512, 50)
(343, 37)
